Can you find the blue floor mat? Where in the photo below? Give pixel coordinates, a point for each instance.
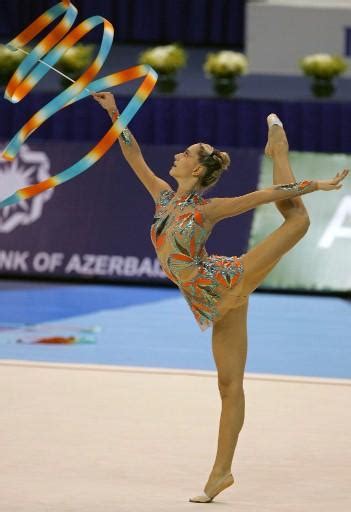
(154, 327)
(47, 302)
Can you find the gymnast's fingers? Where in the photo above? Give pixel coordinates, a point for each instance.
(100, 95)
(341, 175)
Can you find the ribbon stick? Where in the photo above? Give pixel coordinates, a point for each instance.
(54, 69)
(32, 69)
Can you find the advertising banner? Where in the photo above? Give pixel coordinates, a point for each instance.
(97, 226)
(321, 260)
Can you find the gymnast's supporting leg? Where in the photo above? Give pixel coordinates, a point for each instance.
(229, 346)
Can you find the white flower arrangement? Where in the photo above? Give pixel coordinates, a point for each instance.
(323, 65)
(225, 63)
(164, 59)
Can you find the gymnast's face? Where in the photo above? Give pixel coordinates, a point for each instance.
(187, 162)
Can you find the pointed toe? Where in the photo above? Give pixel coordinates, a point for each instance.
(225, 482)
(203, 498)
(274, 119)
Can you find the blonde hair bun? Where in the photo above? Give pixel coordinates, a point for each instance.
(225, 160)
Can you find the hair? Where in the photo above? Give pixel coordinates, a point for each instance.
(215, 164)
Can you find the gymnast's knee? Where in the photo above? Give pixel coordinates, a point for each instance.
(232, 388)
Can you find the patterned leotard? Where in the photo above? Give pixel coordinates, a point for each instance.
(178, 233)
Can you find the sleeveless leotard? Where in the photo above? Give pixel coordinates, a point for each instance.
(178, 233)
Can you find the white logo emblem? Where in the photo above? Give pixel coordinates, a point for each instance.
(28, 168)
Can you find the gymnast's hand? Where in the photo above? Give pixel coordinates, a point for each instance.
(333, 183)
(106, 100)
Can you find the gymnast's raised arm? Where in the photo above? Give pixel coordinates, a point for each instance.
(132, 151)
(219, 208)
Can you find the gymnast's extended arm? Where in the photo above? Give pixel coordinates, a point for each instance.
(219, 208)
(131, 150)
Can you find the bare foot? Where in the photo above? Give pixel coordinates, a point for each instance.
(277, 139)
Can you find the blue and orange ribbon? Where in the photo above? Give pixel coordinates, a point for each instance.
(32, 69)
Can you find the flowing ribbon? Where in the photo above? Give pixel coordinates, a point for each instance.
(32, 69)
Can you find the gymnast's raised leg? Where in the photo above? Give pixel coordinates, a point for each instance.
(260, 260)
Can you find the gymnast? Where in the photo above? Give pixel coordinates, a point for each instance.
(217, 288)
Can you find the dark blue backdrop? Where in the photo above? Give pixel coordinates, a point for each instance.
(219, 22)
(311, 126)
(107, 212)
